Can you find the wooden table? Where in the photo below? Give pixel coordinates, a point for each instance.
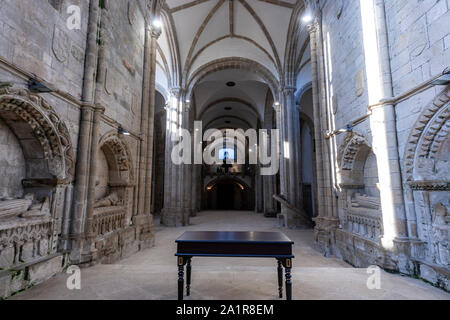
(234, 244)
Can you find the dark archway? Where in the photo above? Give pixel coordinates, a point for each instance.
(229, 194)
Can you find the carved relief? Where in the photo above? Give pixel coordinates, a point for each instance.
(60, 45)
(353, 144)
(131, 12)
(359, 83)
(426, 140)
(109, 81)
(47, 128)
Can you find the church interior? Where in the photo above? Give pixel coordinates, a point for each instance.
(110, 113)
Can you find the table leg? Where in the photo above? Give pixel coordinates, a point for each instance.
(180, 278)
(188, 277)
(280, 279)
(288, 266)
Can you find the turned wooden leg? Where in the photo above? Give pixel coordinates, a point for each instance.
(280, 279)
(288, 266)
(188, 277)
(180, 278)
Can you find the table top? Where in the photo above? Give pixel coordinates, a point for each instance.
(234, 237)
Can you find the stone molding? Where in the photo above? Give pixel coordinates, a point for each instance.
(47, 127)
(428, 133)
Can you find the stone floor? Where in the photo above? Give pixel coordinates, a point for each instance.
(152, 274)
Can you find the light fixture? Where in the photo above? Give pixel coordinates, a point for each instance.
(157, 23)
(277, 104)
(123, 132)
(36, 86)
(307, 18)
(188, 101)
(442, 80)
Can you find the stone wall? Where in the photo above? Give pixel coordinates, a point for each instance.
(12, 164)
(418, 39)
(36, 42)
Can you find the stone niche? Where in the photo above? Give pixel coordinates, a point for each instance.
(427, 172)
(360, 218)
(116, 234)
(36, 166)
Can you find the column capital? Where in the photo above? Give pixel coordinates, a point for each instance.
(176, 92)
(288, 90)
(154, 32)
(313, 27)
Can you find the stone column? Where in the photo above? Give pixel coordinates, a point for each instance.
(313, 29)
(259, 191)
(144, 121)
(293, 126)
(187, 191)
(173, 214)
(79, 209)
(283, 169)
(326, 223)
(155, 34)
(385, 141)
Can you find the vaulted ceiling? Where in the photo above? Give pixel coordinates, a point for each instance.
(207, 30)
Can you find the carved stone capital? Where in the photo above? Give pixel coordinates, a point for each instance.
(288, 90)
(155, 32)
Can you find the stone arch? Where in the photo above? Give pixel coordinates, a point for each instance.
(233, 63)
(119, 159)
(428, 135)
(118, 199)
(248, 193)
(37, 125)
(352, 156)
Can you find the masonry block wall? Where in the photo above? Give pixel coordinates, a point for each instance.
(417, 34)
(40, 133)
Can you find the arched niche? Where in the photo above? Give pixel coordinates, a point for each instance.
(44, 138)
(115, 182)
(31, 213)
(427, 175)
(359, 199)
(427, 161)
(352, 156)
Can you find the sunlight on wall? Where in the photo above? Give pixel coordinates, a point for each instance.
(330, 104)
(378, 120)
(287, 154)
(371, 51)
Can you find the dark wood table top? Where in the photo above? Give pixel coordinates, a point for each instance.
(234, 237)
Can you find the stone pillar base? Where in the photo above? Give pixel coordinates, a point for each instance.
(324, 235)
(175, 217)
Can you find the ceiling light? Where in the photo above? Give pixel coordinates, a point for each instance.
(277, 104)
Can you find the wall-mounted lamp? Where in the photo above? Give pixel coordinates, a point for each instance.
(123, 132)
(348, 128)
(442, 80)
(157, 23)
(307, 18)
(36, 86)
